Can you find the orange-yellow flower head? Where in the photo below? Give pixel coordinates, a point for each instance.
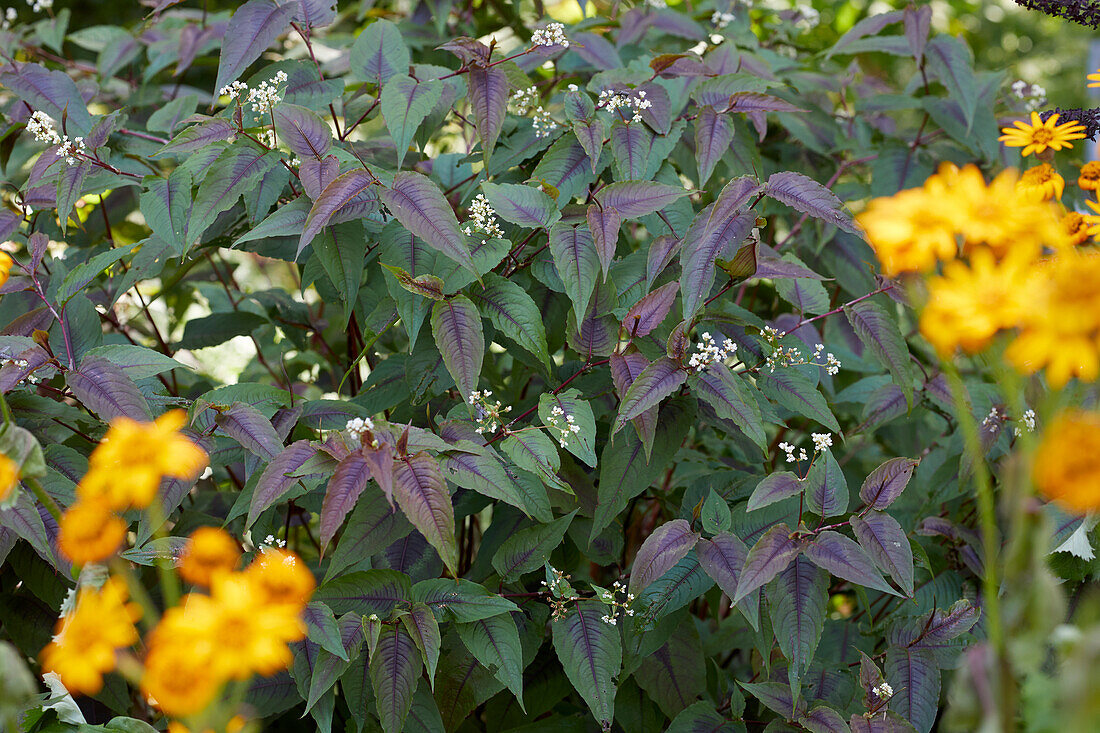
(1041, 183)
(6, 263)
(179, 679)
(86, 641)
(9, 477)
(280, 577)
(1076, 228)
(209, 551)
(1067, 462)
(90, 532)
(1092, 221)
(1039, 135)
(1094, 79)
(1089, 180)
(126, 468)
(908, 231)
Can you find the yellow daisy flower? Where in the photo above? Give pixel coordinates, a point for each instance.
(209, 551)
(1089, 179)
(9, 477)
(90, 532)
(1076, 227)
(1094, 78)
(179, 680)
(1042, 183)
(280, 577)
(1067, 462)
(1039, 135)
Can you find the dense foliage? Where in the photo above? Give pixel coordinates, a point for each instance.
(551, 351)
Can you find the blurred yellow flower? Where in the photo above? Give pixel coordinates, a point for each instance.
(1089, 180)
(209, 551)
(1076, 228)
(179, 680)
(6, 263)
(86, 641)
(1094, 78)
(126, 468)
(1039, 135)
(280, 577)
(9, 476)
(909, 232)
(1041, 183)
(90, 532)
(1066, 466)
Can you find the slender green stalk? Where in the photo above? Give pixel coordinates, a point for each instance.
(40, 494)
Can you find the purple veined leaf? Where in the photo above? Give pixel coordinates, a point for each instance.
(770, 556)
(9, 225)
(826, 488)
(321, 627)
(515, 314)
(524, 206)
(604, 225)
(577, 263)
(915, 675)
(625, 368)
(198, 136)
(104, 388)
(405, 102)
(951, 61)
(918, 22)
(340, 192)
(495, 642)
(22, 517)
(823, 719)
(867, 27)
(232, 174)
(701, 718)
(674, 676)
(713, 135)
(533, 451)
(421, 492)
(423, 628)
(949, 624)
(773, 267)
(758, 102)
(461, 600)
(372, 527)
(661, 252)
(889, 722)
(489, 89)
(722, 224)
(316, 175)
(70, 185)
(663, 548)
(276, 480)
(672, 65)
(630, 149)
(797, 393)
(650, 311)
(315, 13)
(775, 487)
(248, 426)
(380, 462)
(564, 167)
(835, 553)
(777, 697)
(722, 557)
(486, 474)
(166, 206)
(884, 485)
(395, 668)
(526, 550)
(344, 488)
(52, 92)
(882, 336)
(303, 131)
(579, 107)
(329, 667)
(632, 199)
(456, 326)
(379, 53)
(85, 272)
(656, 382)
(732, 399)
(806, 195)
(886, 543)
(253, 27)
(591, 134)
(596, 50)
(797, 601)
(885, 404)
(590, 651)
(419, 205)
(469, 51)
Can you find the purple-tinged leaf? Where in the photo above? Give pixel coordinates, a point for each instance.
(662, 549)
(577, 263)
(488, 88)
(344, 488)
(253, 27)
(303, 131)
(533, 451)
(564, 168)
(166, 206)
(379, 53)
(248, 426)
(826, 488)
(649, 312)
(329, 667)
(882, 336)
(591, 134)
(316, 175)
(524, 206)
(208, 131)
(456, 326)
(405, 103)
(9, 225)
(674, 675)
(394, 671)
(661, 251)
(775, 696)
(277, 478)
(806, 195)
(885, 404)
(321, 628)
(630, 148)
(775, 487)
(632, 199)
(468, 50)
(886, 543)
(793, 390)
(915, 675)
(888, 723)
(713, 135)
(52, 92)
(869, 26)
(423, 627)
(845, 559)
(372, 527)
(604, 225)
(625, 368)
(234, 172)
(822, 719)
(418, 204)
(884, 485)
(421, 492)
(315, 13)
(461, 600)
(949, 624)
(952, 62)
(527, 549)
(732, 399)
(797, 601)
(486, 474)
(770, 556)
(656, 382)
(701, 718)
(344, 190)
(590, 651)
(495, 642)
(722, 557)
(918, 22)
(756, 102)
(104, 388)
(596, 50)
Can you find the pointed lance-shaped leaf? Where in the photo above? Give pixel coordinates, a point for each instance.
(797, 601)
(845, 559)
(276, 480)
(823, 719)
(394, 670)
(663, 548)
(303, 131)
(713, 135)
(633, 199)
(379, 53)
(915, 675)
(524, 206)
(423, 627)
(604, 223)
(806, 195)
(722, 557)
(456, 327)
(515, 314)
(103, 387)
(489, 88)
(419, 205)
(421, 492)
(345, 486)
(577, 263)
(253, 27)
(405, 103)
(749, 102)
(775, 696)
(774, 487)
(345, 189)
(770, 556)
(248, 426)
(732, 398)
(826, 487)
(884, 485)
(882, 336)
(495, 643)
(235, 171)
(886, 543)
(625, 368)
(656, 382)
(590, 651)
(650, 311)
(527, 549)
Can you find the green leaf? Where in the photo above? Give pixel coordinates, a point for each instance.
(405, 104)
(235, 171)
(461, 600)
(370, 591)
(581, 442)
(577, 263)
(715, 515)
(591, 654)
(524, 206)
(881, 335)
(514, 313)
(732, 398)
(87, 271)
(456, 326)
(421, 492)
(527, 550)
(423, 627)
(797, 601)
(952, 63)
(494, 641)
(379, 53)
(656, 382)
(826, 488)
(394, 669)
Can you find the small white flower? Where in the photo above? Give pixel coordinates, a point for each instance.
(573, 87)
(41, 126)
(542, 123)
(552, 35)
(822, 441)
(233, 90)
(883, 690)
(612, 100)
(524, 100)
(264, 97)
(483, 218)
(70, 150)
(789, 450)
(39, 5)
(720, 20)
(1028, 422)
(708, 352)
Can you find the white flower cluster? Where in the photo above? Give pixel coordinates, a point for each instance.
(720, 20)
(19, 364)
(1034, 95)
(9, 18)
(488, 414)
(561, 592)
(233, 90)
(70, 150)
(270, 543)
(41, 126)
(994, 420)
(267, 137)
(832, 364)
(656, 4)
(808, 17)
(610, 598)
(1028, 422)
(883, 690)
(262, 98)
(709, 352)
(358, 427)
(524, 100)
(543, 123)
(790, 449)
(792, 356)
(567, 429)
(39, 5)
(822, 441)
(552, 35)
(612, 100)
(483, 218)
